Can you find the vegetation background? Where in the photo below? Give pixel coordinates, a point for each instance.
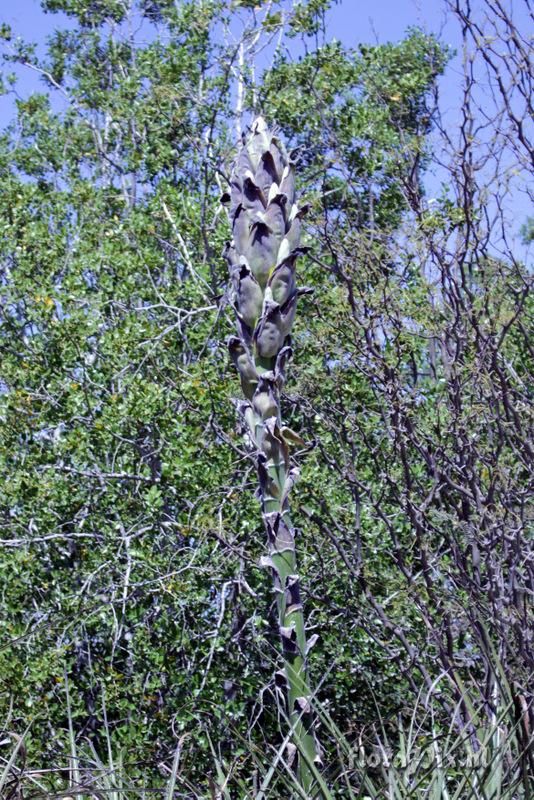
(135, 615)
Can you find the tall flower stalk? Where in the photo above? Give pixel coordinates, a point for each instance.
(266, 223)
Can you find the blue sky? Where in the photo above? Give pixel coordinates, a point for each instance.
(350, 21)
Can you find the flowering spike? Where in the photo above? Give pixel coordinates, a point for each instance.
(262, 258)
